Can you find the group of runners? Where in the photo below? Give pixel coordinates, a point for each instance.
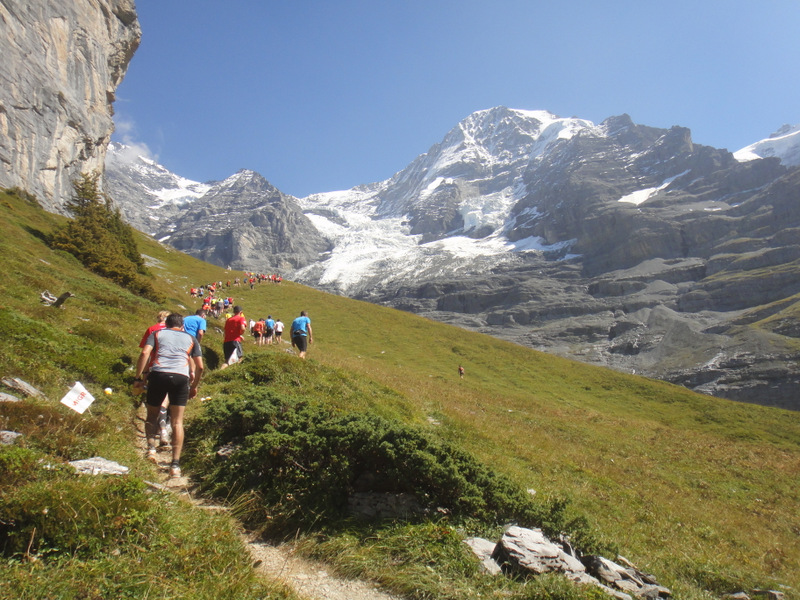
(170, 367)
(252, 278)
(267, 331)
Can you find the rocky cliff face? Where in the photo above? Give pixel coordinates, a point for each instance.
(243, 222)
(61, 65)
(246, 223)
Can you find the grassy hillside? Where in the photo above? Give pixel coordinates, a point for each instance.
(700, 491)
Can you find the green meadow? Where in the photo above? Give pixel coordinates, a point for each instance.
(699, 491)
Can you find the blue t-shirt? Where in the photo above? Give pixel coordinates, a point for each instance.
(300, 326)
(194, 323)
(270, 324)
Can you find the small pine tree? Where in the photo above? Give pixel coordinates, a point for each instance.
(101, 240)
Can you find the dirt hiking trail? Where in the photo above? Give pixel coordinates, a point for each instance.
(309, 579)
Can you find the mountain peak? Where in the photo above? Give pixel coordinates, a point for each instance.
(249, 180)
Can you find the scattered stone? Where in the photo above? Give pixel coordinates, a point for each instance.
(156, 486)
(484, 549)
(99, 466)
(9, 438)
(50, 300)
(628, 579)
(226, 450)
(529, 552)
(614, 593)
(8, 397)
(769, 594)
(15, 383)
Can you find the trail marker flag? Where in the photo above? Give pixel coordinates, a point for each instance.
(78, 399)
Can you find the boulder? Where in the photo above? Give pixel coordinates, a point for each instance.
(626, 578)
(768, 594)
(23, 386)
(530, 552)
(8, 397)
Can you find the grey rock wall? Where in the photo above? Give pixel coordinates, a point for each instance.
(62, 61)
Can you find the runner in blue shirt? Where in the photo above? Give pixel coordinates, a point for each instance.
(301, 333)
(270, 328)
(195, 324)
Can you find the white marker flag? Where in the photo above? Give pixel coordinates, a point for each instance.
(78, 399)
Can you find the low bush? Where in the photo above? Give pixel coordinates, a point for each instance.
(302, 460)
(53, 429)
(21, 465)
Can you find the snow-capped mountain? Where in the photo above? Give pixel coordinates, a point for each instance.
(149, 194)
(616, 243)
(242, 222)
(783, 144)
(446, 211)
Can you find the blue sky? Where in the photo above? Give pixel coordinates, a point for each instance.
(323, 95)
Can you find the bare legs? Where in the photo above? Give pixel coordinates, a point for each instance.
(151, 428)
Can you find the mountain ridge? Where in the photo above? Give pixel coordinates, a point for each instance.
(556, 234)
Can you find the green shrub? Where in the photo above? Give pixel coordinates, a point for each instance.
(101, 240)
(21, 465)
(429, 560)
(53, 428)
(23, 195)
(303, 460)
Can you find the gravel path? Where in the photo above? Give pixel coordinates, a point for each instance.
(309, 579)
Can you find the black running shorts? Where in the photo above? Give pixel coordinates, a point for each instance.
(161, 384)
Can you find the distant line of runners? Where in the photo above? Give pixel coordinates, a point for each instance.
(170, 365)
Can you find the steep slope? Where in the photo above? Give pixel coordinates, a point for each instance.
(699, 490)
(245, 222)
(149, 196)
(614, 244)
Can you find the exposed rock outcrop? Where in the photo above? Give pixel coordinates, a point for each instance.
(527, 552)
(61, 65)
(246, 223)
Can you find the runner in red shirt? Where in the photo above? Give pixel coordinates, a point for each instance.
(232, 342)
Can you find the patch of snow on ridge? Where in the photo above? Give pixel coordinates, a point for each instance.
(433, 185)
(163, 186)
(640, 196)
(186, 191)
(784, 144)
